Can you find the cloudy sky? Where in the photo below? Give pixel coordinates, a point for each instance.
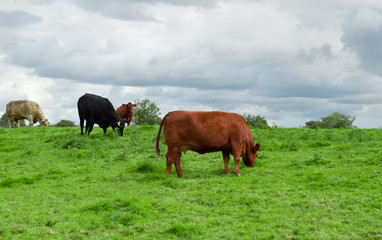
(290, 61)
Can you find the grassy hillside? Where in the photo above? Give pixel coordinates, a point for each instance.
(306, 184)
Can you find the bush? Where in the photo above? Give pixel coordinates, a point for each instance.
(255, 121)
(313, 124)
(337, 120)
(334, 120)
(146, 113)
(65, 123)
(4, 120)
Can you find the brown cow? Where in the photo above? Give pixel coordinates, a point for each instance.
(125, 111)
(205, 132)
(25, 109)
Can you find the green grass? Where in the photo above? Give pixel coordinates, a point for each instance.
(306, 184)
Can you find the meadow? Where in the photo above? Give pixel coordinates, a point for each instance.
(306, 184)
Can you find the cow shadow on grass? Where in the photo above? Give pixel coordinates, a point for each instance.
(209, 165)
(196, 168)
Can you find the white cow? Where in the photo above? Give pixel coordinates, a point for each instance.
(25, 109)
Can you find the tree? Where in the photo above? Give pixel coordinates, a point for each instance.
(65, 123)
(337, 120)
(146, 113)
(313, 124)
(4, 121)
(333, 120)
(255, 121)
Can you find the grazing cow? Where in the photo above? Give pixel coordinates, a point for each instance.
(99, 110)
(125, 111)
(25, 109)
(205, 132)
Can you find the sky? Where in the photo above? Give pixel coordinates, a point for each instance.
(288, 61)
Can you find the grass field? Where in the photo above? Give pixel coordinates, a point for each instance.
(306, 184)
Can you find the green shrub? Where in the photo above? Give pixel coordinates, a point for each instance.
(146, 113)
(65, 123)
(337, 120)
(255, 121)
(313, 124)
(334, 120)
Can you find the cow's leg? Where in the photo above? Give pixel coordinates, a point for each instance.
(87, 127)
(173, 156)
(177, 165)
(82, 126)
(236, 157)
(169, 162)
(90, 127)
(226, 160)
(30, 119)
(104, 131)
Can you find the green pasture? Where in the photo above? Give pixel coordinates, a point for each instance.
(306, 184)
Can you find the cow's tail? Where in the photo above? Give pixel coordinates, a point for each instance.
(157, 150)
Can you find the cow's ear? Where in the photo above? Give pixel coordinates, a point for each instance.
(134, 105)
(257, 147)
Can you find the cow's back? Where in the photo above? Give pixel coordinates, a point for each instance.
(205, 131)
(85, 104)
(122, 111)
(98, 108)
(90, 104)
(23, 108)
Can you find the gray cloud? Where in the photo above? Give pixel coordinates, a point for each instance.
(304, 74)
(201, 3)
(309, 56)
(41, 2)
(17, 19)
(363, 35)
(134, 10)
(122, 10)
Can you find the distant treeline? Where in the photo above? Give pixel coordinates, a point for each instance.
(148, 113)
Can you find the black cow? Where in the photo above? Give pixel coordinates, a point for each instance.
(96, 109)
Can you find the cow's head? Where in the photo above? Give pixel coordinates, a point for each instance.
(129, 112)
(251, 155)
(120, 125)
(44, 122)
